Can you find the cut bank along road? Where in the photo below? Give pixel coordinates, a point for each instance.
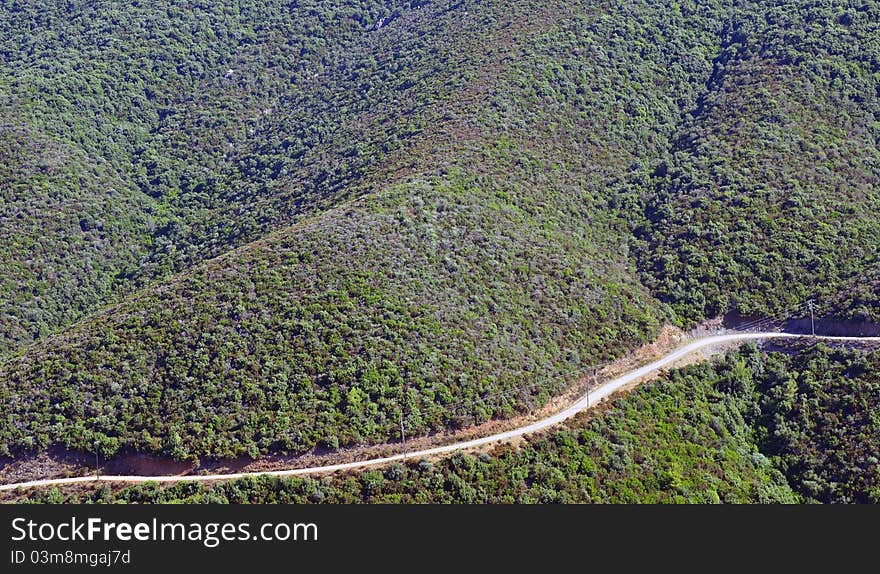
(585, 402)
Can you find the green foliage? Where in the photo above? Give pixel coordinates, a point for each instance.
(301, 220)
(478, 264)
(137, 139)
(768, 195)
(269, 355)
(819, 419)
(859, 300)
(752, 428)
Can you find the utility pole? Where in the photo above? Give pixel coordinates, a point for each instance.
(97, 464)
(812, 318)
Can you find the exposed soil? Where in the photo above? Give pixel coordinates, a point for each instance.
(57, 463)
(144, 465)
(54, 463)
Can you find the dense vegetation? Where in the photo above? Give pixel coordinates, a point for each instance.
(494, 268)
(772, 181)
(818, 420)
(859, 300)
(269, 227)
(148, 136)
(752, 428)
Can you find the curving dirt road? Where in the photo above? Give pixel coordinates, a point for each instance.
(585, 402)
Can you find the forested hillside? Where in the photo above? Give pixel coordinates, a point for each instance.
(493, 266)
(269, 227)
(228, 120)
(754, 428)
(772, 181)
